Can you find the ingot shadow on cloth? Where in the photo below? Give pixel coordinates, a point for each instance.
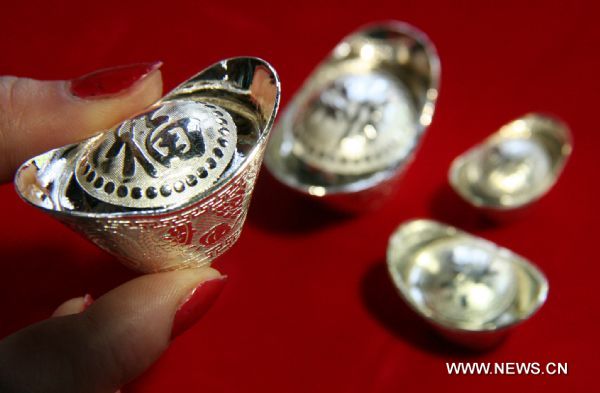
(170, 187)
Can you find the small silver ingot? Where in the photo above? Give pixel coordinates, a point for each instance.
(170, 187)
(515, 166)
(470, 289)
(352, 128)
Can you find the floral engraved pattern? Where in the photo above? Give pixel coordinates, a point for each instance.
(181, 234)
(190, 237)
(231, 203)
(215, 234)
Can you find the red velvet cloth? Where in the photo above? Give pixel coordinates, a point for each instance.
(309, 307)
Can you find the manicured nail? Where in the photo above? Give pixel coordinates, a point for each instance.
(87, 301)
(74, 306)
(196, 305)
(111, 81)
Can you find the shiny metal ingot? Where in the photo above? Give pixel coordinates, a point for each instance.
(470, 289)
(515, 166)
(355, 124)
(170, 187)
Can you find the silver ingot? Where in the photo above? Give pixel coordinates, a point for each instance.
(470, 289)
(515, 166)
(355, 124)
(168, 188)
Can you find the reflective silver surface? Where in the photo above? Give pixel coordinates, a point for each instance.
(168, 188)
(515, 166)
(356, 122)
(469, 288)
(159, 158)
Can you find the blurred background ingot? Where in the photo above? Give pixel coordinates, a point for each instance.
(515, 166)
(353, 127)
(170, 187)
(470, 289)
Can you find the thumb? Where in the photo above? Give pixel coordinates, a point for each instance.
(111, 342)
(36, 116)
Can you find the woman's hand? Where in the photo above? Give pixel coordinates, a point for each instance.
(85, 346)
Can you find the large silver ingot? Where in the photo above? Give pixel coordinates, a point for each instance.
(470, 289)
(515, 166)
(170, 187)
(352, 128)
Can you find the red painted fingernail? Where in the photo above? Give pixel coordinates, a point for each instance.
(111, 81)
(87, 301)
(196, 305)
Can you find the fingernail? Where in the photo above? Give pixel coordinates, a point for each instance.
(196, 305)
(111, 81)
(87, 301)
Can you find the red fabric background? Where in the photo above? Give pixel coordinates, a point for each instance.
(308, 307)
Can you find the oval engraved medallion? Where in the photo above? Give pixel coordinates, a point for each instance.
(357, 124)
(162, 157)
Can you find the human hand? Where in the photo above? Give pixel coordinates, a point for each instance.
(95, 347)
